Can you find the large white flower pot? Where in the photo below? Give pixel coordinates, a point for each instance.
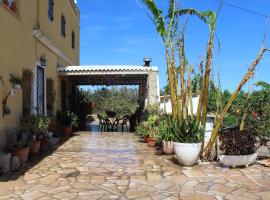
(187, 154)
(238, 161)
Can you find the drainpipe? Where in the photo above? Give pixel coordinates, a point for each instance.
(37, 26)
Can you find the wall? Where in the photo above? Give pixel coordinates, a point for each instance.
(52, 30)
(152, 87)
(20, 50)
(17, 52)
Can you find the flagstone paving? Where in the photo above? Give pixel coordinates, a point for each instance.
(118, 166)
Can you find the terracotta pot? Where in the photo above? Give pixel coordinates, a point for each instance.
(66, 131)
(44, 144)
(22, 153)
(35, 147)
(167, 147)
(151, 142)
(146, 138)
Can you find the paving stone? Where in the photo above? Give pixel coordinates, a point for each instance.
(32, 195)
(197, 197)
(132, 194)
(153, 176)
(137, 178)
(49, 179)
(91, 192)
(222, 188)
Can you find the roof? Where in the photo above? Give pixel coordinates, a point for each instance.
(104, 69)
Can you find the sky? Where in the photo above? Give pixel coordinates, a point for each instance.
(118, 32)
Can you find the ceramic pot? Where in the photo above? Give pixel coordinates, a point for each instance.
(187, 154)
(22, 153)
(167, 147)
(238, 161)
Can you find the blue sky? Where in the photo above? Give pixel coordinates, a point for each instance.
(119, 32)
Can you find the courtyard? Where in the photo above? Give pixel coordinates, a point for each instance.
(94, 165)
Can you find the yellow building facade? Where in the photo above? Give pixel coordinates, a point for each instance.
(36, 37)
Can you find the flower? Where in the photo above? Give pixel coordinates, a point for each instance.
(254, 114)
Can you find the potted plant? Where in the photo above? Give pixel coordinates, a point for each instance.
(238, 147)
(141, 130)
(37, 126)
(18, 144)
(187, 142)
(16, 82)
(240, 143)
(45, 141)
(151, 132)
(68, 121)
(165, 134)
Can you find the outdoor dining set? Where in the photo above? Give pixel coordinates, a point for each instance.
(111, 122)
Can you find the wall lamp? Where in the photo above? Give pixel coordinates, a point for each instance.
(43, 61)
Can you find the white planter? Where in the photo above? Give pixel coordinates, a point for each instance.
(187, 154)
(238, 161)
(167, 147)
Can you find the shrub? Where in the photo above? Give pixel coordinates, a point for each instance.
(235, 142)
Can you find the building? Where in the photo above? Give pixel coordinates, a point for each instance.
(37, 37)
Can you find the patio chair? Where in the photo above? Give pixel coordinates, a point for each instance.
(108, 124)
(101, 123)
(122, 122)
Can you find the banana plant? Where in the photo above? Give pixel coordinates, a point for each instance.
(166, 29)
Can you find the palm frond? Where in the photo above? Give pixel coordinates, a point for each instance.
(193, 12)
(171, 8)
(157, 16)
(264, 85)
(211, 17)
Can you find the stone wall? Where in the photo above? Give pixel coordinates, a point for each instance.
(152, 87)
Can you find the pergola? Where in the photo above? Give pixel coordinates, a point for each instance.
(108, 75)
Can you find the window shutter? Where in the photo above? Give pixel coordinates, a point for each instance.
(27, 92)
(50, 96)
(63, 25)
(50, 9)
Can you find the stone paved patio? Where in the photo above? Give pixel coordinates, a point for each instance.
(117, 166)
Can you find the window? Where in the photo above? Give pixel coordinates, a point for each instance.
(50, 9)
(63, 26)
(72, 40)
